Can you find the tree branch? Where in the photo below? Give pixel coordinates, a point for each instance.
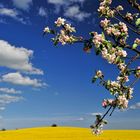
(130, 48)
(125, 19)
(104, 116)
(134, 4)
(134, 82)
(135, 31)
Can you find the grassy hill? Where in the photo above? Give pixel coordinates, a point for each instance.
(67, 133)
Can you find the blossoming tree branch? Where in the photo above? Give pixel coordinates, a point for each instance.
(112, 45)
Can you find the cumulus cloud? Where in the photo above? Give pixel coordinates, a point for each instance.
(7, 99)
(10, 91)
(135, 106)
(18, 79)
(42, 12)
(22, 4)
(76, 13)
(71, 8)
(17, 58)
(12, 13)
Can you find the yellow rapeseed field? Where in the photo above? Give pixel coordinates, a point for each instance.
(67, 133)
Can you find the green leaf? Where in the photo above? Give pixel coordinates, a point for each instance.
(98, 51)
(117, 59)
(137, 22)
(109, 44)
(108, 83)
(94, 79)
(134, 46)
(52, 32)
(98, 116)
(103, 35)
(55, 42)
(105, 122)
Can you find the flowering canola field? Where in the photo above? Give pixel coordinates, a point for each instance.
(67, 133)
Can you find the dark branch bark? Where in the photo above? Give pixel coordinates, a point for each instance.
(134, 4)
(104, 116)
(135, 31)
(124, 18)
(130, 48)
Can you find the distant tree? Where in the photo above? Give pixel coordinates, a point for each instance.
(117, 24)
(3, 129)
(54, 125)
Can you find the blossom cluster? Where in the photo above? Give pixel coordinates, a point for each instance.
(122, 93)
(121, 102)
(118, 30)
(104, 8)
(108, 102)
(98, 39)
(63, 36)
(109, 52)
(112, 48)
(98, 125)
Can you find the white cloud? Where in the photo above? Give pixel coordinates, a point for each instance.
(1, 109)
(80, 119)
(135, 106)
(95, 113)
(8, 12)
(16, 58)
(7, 99)
(10, 91)
(71, 8)
(64, 2)
(42, 12)
(12, 13)
(18, 79)
(58, 2)
(22, 4)
(76, 13)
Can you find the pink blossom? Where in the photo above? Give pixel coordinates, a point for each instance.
(109, 30)
(129, 16)
(104, 23)
(60, 21)
(137, 41)
(123, 27)
(97, 39)
(138, 67)
(104, 103)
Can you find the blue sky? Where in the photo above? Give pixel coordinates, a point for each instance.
(41, 84)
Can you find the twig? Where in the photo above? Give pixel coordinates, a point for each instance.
(133, 83)
(104, 116)
(134, 4)
(125, 19)
(128, 26)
